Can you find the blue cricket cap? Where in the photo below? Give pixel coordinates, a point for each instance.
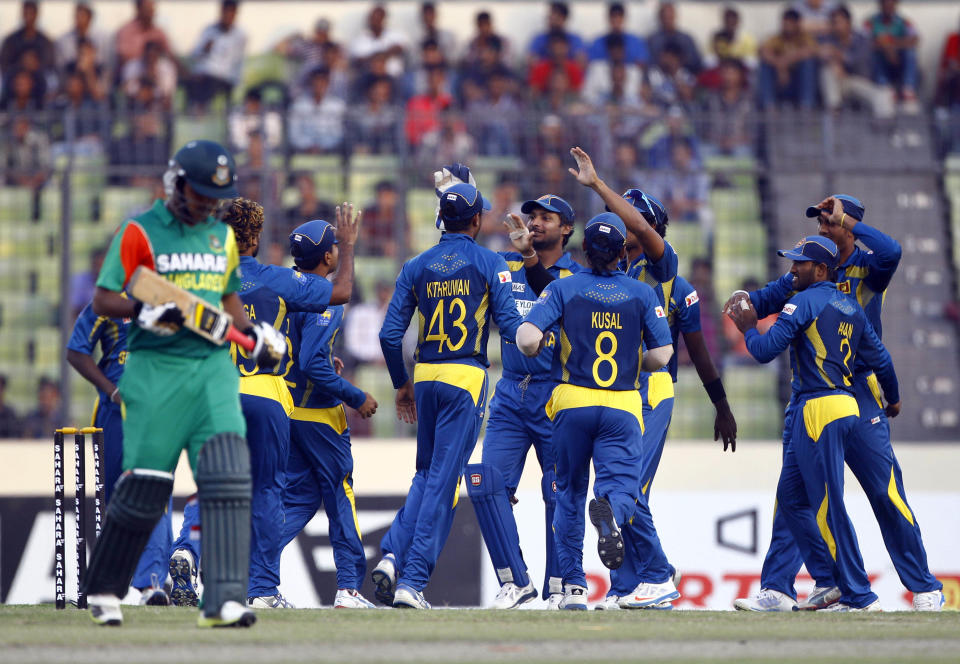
(851, 206)
(310, 241)
(461, 202)
(813, 248)
(650, 207)
(608, 225)
(550, 203)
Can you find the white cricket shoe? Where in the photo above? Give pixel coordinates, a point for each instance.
(349, 598)
(766, 600)
(846, 608)
(269, 602)
(511, 595)
(928, 601)
(384, 577)
(650, 595)
(105, 609)
(609, 603)
(183, 573)
(231, 614)
(155, 594)
(553, 601)
(405, 597)
(574, 599)
(820, 598)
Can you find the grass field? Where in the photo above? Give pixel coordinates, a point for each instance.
(41, 634)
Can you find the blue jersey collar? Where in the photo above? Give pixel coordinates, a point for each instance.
(451, 237)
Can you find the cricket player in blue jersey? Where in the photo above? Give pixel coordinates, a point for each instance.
(518, 419)
(455, 287)
(863, 275)
(110, 334)
(605, 320)
(320, 467)
(268, 293)
(827, 333)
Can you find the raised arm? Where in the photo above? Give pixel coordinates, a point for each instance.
(348, 226)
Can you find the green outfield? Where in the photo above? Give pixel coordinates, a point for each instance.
(41, 634)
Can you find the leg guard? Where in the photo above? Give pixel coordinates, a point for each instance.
(136, 506)
(552, 577)
(224, 488)
(497, 525)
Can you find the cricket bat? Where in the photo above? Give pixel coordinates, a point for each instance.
(199, 316)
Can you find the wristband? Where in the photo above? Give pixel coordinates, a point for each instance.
(114, 393)
(715, 390)
(532, 255)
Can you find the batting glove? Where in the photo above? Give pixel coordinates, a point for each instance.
(163, 319)
(270, 344)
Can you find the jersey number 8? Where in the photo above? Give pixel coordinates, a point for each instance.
(605, 358)
(437, 319)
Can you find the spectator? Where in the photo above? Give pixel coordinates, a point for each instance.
(309, 206)
(424, 111)
(678, 129)
(701, 278)
(309, 53)
(9, 420)
(48, 415)
(553, 137)
(615, 79)
(494, 117)
(635, 49)
(668, 33)
(376, 69)
(253, 116)
(670, 81)
(27, 37)
(788, 68)
(146, 144)
(430, 57)
(157, 67)
(377, 38)
(475, 73)
(316, 118)
(684, 186)
(729, 110)
(560, 97)
(815, 16)
(132, 38)
(361, 327)
(83, 284)
(89, 70)
(557, 16)
(258, 182)
(88, 112)
(846, 67)
(559, 59)
(385, 220)
(427, 31)
(730, 42)
(217, 58)
(67, 46)
(28, 158)
(948, 73)
(486, 36)
(448, 143)
(895, 53)
(23, 94)
(374, 125)
(626, 166)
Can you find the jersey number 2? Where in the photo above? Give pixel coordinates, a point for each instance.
(437, 320)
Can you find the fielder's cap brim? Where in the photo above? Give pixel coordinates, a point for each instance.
(794, 255)
(485, 203)
(813, 211)
(215, 192)
(530, 206)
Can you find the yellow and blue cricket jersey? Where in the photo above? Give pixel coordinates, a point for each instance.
(827, 333)
(312, 379)
(683, 315)
(455, 287)
(110, 334)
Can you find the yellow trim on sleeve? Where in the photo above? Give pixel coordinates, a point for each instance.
(481, 317)
(514, 266)
(819, 412)
(269, 387)
(233, 257)
(348, 491)
(824, 526)
(566, 396)
(659, 388)
(464, 376)
(335, 417)
(874, 386)
(894, 494)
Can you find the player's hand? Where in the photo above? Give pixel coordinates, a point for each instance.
(448, 176)
(406, 404)
(369, 406)
(587, 174)
(519, 234)
(163, 319)
(734, 300)
(744, 315)
(833, 208)
(892, 409)
(115, 396)
(725, 426)
(348, 224)
(337, 365)
(270, 345)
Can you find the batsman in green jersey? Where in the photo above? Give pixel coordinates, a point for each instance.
(179, 390)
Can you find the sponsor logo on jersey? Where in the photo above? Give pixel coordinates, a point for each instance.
(325, 318)
(519, 288)
(692, 299)
(505, 277)
(215, 243)
(659, 311)
(524, 307)
(875, 420)
(475, 479)
(543, 296)
(189, 262)
(299, 276)
(844, 287)
(789, 309)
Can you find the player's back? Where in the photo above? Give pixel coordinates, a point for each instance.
(602, 329)
(308, 326)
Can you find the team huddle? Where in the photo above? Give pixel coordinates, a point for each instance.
(589, 366)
